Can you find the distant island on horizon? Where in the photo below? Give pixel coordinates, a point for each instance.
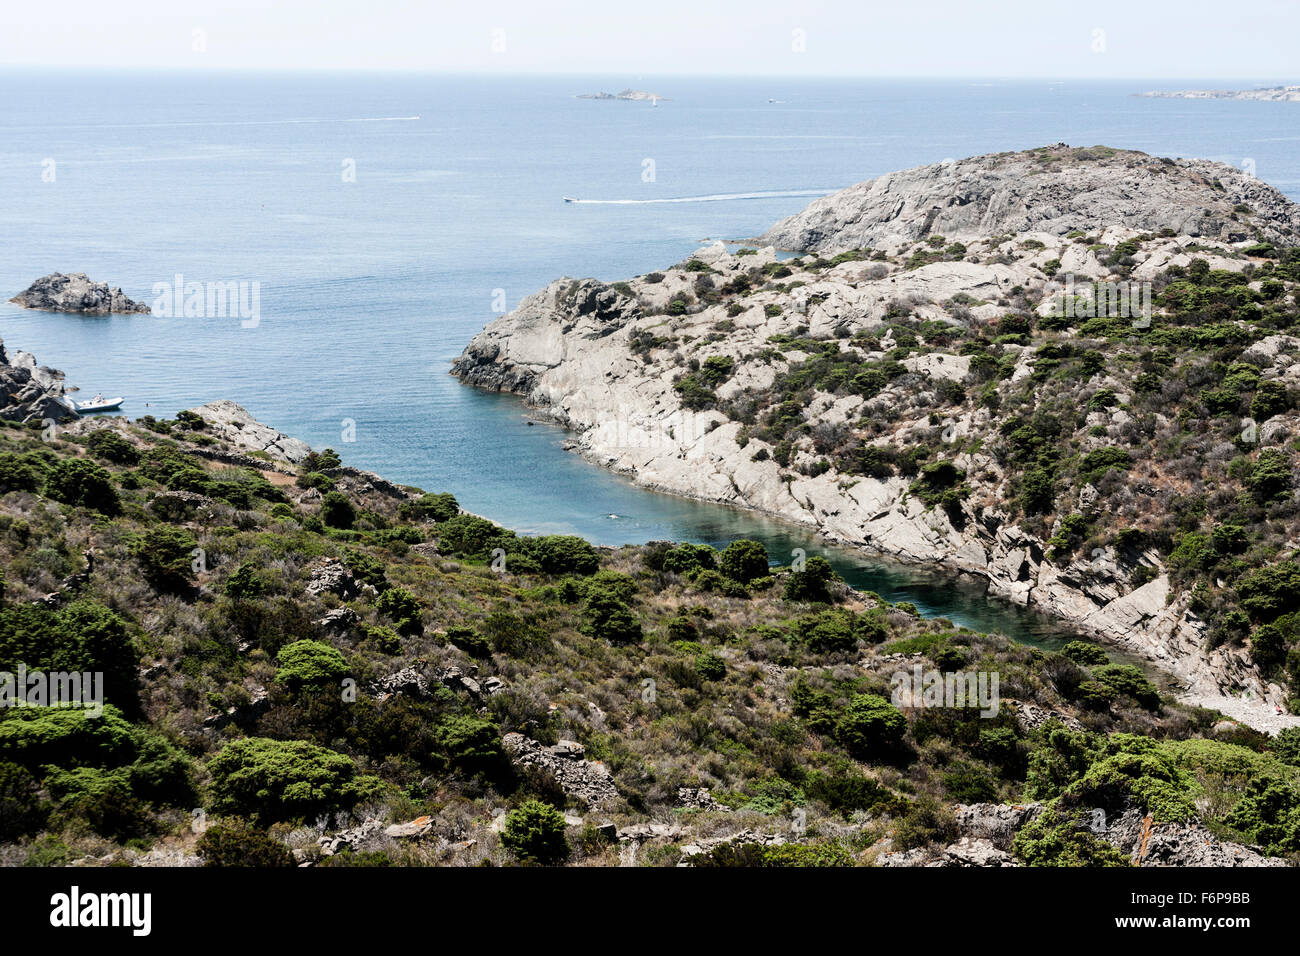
(628, 94)
(1272, 93)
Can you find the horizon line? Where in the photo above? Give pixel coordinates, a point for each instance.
(488, 73)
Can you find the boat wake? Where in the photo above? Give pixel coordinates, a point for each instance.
(716, 197)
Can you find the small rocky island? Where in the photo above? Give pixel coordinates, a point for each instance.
(1289, 94)
(625, 95)
(76, 293)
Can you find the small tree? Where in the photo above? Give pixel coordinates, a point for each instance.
(605, 616)
(336, 511)
(534, 832)
(247, 582)
(79, 481)
(870, 726)
(402, 608)
(743, 561)
(167, 556)
(812, 583)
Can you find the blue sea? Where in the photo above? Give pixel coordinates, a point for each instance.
(384, 217)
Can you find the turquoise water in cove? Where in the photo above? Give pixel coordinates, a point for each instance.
(369, 288)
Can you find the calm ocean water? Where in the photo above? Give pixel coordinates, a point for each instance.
(368, 289)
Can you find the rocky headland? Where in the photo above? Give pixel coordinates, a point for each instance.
(907, 386)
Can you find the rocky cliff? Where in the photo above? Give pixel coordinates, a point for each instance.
(1055, 190)
(806, 389)
(76, 293)
(30, 392)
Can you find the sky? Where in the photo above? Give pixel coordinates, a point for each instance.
(1255, 40)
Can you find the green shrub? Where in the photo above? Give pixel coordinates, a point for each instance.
(305, 663)
(1128, 680)
(235, 842)
(471, 536)
(469, 742)
(167, 557)
(1063, 839)
(111, 446)
(1269, 592)
(246, 583)
(925, 822)
(270, 780)
(606, 616)
(21, 472)
(827, 631)
(80, 637)
(743, 561)
(783, 855)
(401, 607)
(1081, 652)
(1270, 399)
(562, 554)
(81, 482)
(365, 569)
(22, 810)
(430, 507)
(848, 791)
(534, 832)
(710, 666)
(689, 559)
(812, 583)
(870, 726)
(48, 741)
(102, 798)
(336, 511)
(1270, 479)
(469, 641)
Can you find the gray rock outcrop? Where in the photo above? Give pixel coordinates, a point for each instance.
(584, 780)
(78, 294)
(331, 576)
(31, 392)
(1054, 190)
(234, 423)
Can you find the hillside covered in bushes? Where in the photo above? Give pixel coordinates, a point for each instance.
(305, 664)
